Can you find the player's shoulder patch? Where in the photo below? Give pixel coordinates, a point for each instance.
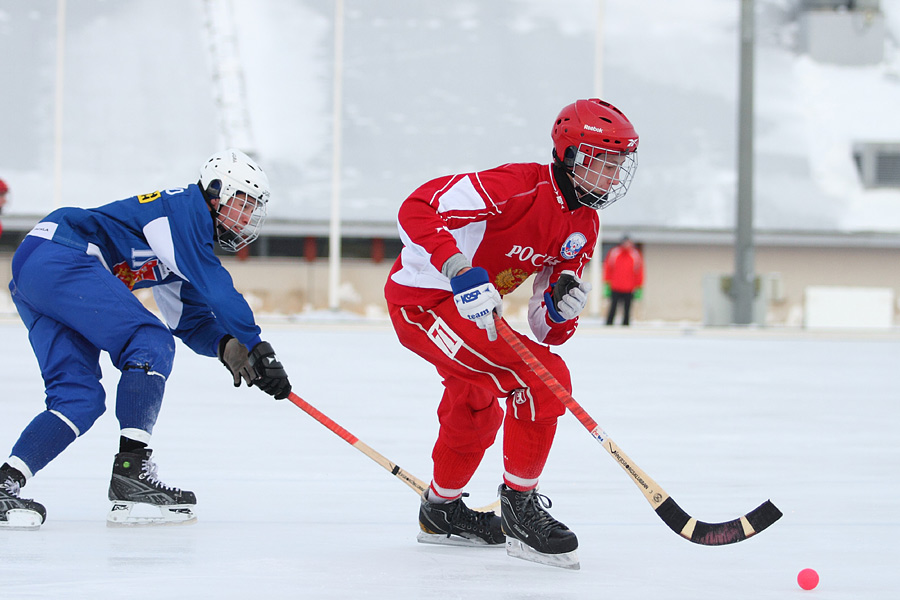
(145, 198)
(573, 245)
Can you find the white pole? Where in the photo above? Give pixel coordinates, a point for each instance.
(334, 233)
(58, 102)
(742, 291)
(595, 272)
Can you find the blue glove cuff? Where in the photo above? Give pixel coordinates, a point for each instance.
(551, 310)
(473, 277)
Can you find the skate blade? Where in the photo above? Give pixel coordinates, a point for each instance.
(138, 514)
(22, 519)
(566, 560)
(441, 539)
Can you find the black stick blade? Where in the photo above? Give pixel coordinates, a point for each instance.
(717, 534)
(763, 515)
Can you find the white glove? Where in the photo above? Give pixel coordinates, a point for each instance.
(477, 299)
(568, 299)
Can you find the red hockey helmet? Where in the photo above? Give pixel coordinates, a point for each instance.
(3, 187)
(597, 144)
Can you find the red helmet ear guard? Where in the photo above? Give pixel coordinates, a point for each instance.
(593, 122)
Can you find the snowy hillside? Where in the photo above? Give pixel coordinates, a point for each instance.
(432, 88)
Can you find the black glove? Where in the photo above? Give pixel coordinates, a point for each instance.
(234, 356)
(270, 374)
(568, 298)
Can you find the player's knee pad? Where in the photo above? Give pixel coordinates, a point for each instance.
(78, 402)
(152, 348)
(540, 403)
(558, 368)
(87, 418)
(486, 422)
(474, 432)
(470, 417)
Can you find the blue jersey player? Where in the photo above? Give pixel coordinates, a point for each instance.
(72, 282)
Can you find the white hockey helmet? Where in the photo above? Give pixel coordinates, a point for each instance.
(242, 190)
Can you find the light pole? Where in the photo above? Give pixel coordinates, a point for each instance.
(742, 283)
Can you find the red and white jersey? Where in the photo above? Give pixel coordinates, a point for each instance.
(513, 221)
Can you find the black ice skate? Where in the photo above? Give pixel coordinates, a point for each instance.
(455, 524)
(17, 512)
(139, 498)
(532, 534)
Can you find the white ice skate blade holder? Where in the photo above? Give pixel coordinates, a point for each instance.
(441, 539)
(566, 560)
(22, 519)
(139, 514)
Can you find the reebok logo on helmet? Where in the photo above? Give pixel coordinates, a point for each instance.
(592, 128)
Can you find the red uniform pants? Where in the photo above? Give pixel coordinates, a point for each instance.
(476, 372)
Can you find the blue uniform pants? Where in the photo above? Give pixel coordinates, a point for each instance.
(74, 308)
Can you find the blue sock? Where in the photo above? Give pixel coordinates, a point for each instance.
(139, 398)
(43, 440)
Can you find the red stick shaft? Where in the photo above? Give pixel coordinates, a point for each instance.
(541, 371)
(323, 419)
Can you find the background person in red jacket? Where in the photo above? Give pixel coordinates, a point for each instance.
(624, 273)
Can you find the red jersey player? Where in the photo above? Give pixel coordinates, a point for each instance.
(468, 240)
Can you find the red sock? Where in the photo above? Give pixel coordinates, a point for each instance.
(452, 469)
(526, 445)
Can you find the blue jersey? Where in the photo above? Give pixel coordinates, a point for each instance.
(163, 240)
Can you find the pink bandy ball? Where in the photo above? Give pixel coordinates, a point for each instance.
(808, 579)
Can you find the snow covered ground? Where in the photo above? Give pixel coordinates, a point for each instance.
(722, 419)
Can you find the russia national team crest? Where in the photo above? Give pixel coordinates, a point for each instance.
(574, 244)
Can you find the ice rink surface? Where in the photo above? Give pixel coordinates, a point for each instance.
(721, 419)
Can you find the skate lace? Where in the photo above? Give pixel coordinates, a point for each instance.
(12, 487)
(534, 513)
(471, 519)
(149, 469)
